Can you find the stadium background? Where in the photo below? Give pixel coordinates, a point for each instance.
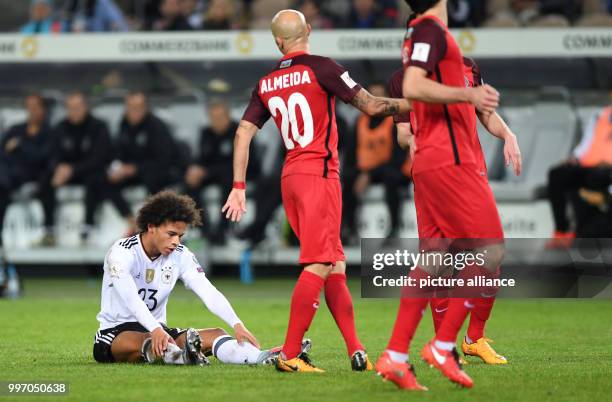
(551, 62)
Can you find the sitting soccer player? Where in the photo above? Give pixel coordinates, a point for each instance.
(139, 274)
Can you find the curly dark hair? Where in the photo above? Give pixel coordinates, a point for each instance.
(168, 206)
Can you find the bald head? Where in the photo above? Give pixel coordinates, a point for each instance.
(290, 30)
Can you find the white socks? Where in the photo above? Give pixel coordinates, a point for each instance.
(397, 356)
(173, 354)
(228, 350)
(448, 346)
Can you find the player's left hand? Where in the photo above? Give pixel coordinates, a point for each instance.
(235, 206)
(242, 334)
(512, 154)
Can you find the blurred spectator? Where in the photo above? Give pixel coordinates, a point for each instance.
(369, 14)
(192, 10)
(146, 155)
(41, 19)
(466, 13)
(212, 165)
(570, 9)
(589, 169)
(312, 11)
(93, 16)
(337, 10)
(81, 150)
(170, 18)
(151, 13)
(219, 15)
(556, 12)
(378, 160)
(24, 152)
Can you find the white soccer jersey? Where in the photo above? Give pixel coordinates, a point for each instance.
(136, 288)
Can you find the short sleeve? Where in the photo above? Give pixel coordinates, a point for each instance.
(256, 112)
(394, 87)
(336, 80)
(120, 262)
(428, 45)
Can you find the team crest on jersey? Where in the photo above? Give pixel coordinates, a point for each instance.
(285, 63)
(166, 275)
(149, 275)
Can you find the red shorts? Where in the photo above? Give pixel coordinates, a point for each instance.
(313, 205)
(456, 202)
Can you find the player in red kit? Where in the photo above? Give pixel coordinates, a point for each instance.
(299, 94)
(474, 343)
(452, 197)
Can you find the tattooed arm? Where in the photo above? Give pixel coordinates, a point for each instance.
(418, 86)
(377, 106)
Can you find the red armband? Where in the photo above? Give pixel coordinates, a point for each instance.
(240, 185)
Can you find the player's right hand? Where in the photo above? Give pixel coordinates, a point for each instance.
(235, 206)
(159, 341)
(485, 98)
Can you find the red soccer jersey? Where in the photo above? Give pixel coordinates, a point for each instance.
(473, 78)
(300, 94)
(443, 133)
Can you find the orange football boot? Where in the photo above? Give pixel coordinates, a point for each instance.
(401, 374)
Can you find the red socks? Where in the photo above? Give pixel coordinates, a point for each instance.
(482, 308)
(340, 305)
(480, 314)
(456, 314)
(304, 304)
(438, 309)
(408, 318)
(409, 314)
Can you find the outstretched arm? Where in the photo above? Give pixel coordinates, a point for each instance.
(235, 206)
(217, 304)
(379, 106)
(417, 86)
(498, 128)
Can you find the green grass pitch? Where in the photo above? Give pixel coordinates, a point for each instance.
(559, 350)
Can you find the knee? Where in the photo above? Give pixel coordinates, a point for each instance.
(217, 332)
